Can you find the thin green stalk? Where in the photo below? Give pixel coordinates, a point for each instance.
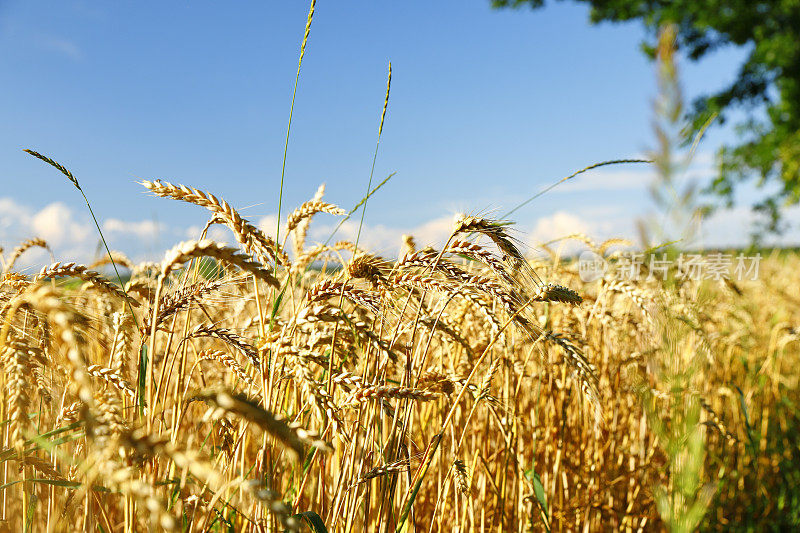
(375, 156)
(581, 171)
(291, 112)
(355, 207)
(74, 181)
(363, 211)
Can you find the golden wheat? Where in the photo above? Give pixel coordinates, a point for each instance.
(446, 385)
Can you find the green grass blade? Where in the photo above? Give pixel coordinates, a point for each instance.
(313, 520)
(291, 113)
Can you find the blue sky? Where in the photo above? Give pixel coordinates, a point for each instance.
(487, 107)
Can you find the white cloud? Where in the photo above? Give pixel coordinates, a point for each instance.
(193, 232)
(70, 233)
(732, 227)
(216, 233)
(608, 181)
(382, 239)
(57, 225)
(11, 213)
(562, 223)
(557, 225)
(434, 232)
(269, 225)
(142, 229)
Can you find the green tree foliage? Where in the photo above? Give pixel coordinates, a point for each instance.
(767, 86)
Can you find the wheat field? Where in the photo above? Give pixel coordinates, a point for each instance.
(268, 386)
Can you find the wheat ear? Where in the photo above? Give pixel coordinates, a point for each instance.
(24, 246)
(250, 237)
(83, 272)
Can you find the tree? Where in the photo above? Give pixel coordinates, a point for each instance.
(767, 86)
